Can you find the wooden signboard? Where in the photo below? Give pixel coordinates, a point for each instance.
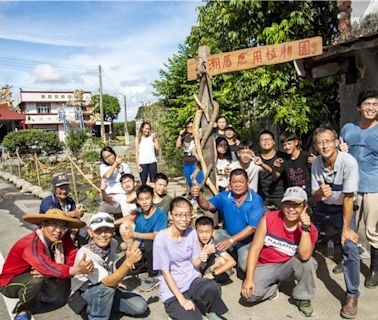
(258, 56)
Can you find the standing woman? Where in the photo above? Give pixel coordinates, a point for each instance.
(177, 255)
(145, 144)
(185, 140)
(224, 159)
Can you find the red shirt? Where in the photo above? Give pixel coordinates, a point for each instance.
(280, 244)
(30, 253)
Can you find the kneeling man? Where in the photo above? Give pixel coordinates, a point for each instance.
(102, 289)
(282, 247)
(39, 266)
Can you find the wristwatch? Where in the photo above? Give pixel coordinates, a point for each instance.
(213, 274)
(306, 228)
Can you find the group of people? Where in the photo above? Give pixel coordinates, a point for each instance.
(271, 209)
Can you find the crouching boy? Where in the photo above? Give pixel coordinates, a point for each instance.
(283, 247)
(216, 262)
(102, 290)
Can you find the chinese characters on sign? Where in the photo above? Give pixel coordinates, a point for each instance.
(259, 56)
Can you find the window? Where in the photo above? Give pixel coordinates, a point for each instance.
(43, 108)
(69, 96)
(43, 96)
(62, 96)
(56, 96)
(49, 96)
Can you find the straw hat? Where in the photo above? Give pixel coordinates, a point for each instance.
(54, 215)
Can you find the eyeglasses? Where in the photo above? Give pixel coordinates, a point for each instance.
(265, 140)
(367, 105)
(55, 226)
(324, 142)
(189, 127)
(223, 145)
(182, 216)
(99, 220)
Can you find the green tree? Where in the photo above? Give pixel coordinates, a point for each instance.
(270, 95)
(110, 104)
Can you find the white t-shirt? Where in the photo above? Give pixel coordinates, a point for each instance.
(102, 268)
(147, 150)
(252, 172)
(126, 207)
(114, 186)
(222, 178)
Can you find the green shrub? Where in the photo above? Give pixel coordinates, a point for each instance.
(90, 156)
(31, 141)
(75, 140)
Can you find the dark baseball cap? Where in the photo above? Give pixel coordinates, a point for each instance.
(229, 127)
(59, 179)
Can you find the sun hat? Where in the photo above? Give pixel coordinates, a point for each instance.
(54, 215)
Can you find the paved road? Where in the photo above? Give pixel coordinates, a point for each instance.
(326, 304)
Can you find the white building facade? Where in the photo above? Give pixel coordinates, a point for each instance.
(56, 110)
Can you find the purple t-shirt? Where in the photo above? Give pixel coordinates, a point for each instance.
(176, 257)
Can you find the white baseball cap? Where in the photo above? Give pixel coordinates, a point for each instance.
(295, 194)
(101, 219)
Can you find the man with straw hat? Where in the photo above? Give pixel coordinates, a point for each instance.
(39, 266)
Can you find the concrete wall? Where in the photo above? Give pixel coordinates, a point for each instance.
(367, 65)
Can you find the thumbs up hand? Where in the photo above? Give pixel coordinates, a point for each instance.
(325, 189)
(85, 266)
(343, 146)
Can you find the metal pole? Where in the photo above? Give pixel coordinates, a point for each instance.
(126, 129)
(102, 130)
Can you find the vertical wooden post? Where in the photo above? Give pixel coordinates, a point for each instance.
(37, 169)
(74, 182)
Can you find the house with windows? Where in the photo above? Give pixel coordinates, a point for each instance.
(57, 110)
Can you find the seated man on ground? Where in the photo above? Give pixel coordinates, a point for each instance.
(162, 199)
(185, 294)
(241, 210)
(102, 287)
(282, 248)
(38, 268)
(147, 225)
(217, 263)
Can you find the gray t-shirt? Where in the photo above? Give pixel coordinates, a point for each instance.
(342, 179)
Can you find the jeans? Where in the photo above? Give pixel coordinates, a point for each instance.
(149, 169)
(102, 300)
(241, 249)
(350, 254)
(188, 171)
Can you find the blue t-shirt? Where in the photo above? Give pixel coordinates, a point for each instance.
(155, 223)
(235, 217)
(363, 145)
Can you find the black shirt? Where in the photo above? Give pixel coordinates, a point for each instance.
(187, 142)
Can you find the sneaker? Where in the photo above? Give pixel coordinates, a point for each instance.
(305, 307)
(275, 295)
(149, 283)
(364, 253)
(23, 316)
(212, 316)
(339, 268)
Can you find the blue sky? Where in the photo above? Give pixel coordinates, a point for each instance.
(59, 45)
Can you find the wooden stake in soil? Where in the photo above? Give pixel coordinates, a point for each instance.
(37, 169)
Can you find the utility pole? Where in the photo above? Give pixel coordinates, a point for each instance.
(126, 130)
(102, 130)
